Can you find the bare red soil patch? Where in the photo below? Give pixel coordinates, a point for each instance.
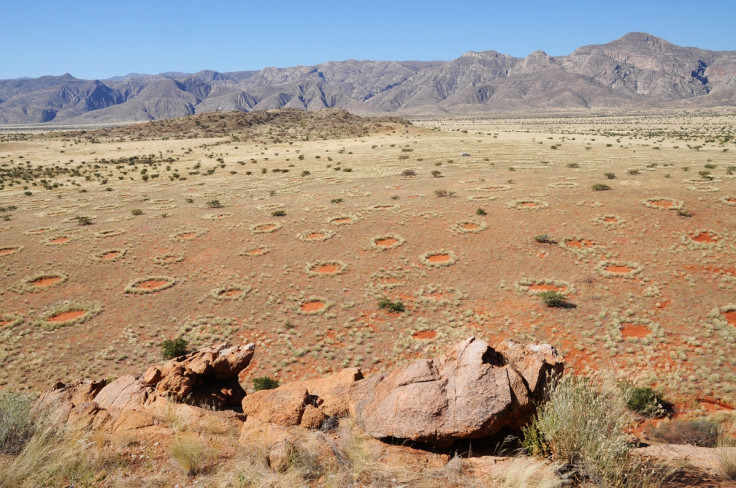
(470, 226)
(610, 220)
(706, 237)
(8, 250)
(315, 236)
(387, 242)
(730, 317)
(312, 306)
(713, 405)
(67, 316)
(345, 220)
(5, 322)
(264, 227)
(187, 236)
(44, 282)
(618, 269)
(326, 269)
(438, 258)
(629, 329)
(528, 205)
(109, 256)
(59, 240)
(231, 292)
(425, 334)
(151, 284)
(581, 243)
(661, 203)
(731, 200)
(256, 252)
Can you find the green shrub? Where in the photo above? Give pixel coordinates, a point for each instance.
(82, 220)
(543, 239)
(16, 421)
(278, 213)
(697, 432)
(214, 204)
(387, 304)
(645, 401)
(553, 299)
(265, 383)
(634, 171)
(173, 348)
(480, 211)
(601, 187)
(610, 176)
(137, 211)
(436, 173)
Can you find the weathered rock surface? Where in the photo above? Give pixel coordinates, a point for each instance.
(473, 392)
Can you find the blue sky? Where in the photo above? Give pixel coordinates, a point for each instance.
(102, 39)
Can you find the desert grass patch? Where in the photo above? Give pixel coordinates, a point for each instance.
(109, 206)
(150, 284)
(230, 292)
(469, 226)
(168, 258)
(313, 306)
(619, 269)
(527, 204)
(265, 228)
(255, 251)
(39, 282)
(609, 220)
(728, 200)
(326, 268)
(346, 219)
(386, 279)
(535, 287)
(8, 250)
(563, 184)
(386, 242)
(726, 315)
(58, 240)
(187, 235)
(103, 234)
(438, 259)
(703, 188)
(663, 203)
(68, 313)
(439, 295)
(110, 255)
(218, 216)
(318, 235)
(9, 320)
(381, 207)
(492, 188)
(270, 207)
(482, 198)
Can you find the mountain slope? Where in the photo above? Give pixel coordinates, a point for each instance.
(637, 70)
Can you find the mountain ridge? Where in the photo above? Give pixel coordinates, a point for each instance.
(636, 70)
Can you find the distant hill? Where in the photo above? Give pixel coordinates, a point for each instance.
(637, 70)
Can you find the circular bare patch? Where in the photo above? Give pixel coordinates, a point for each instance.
(631, 329)
(230, 292)
(256, 251)
(57, 240)
(619, 269)
(8, 250)
(438, 258)
(265, 228)
(579, 245)
(729, 200)
(426, 335)
(67, 313)
(470, 226)
(527, 204)
(563, 184)
(188, 235)
(218, 216)
(10, 320)
(38, 231)
(39, 282)
(316, 235)
(536, 287)
(386, 242)
(384, 206)
(150, 284)
(662, 203)
(348, 219)
(325, 268)
(313, 306)
(168, 258)
(609, 220)
(110, 255)
(493, 188)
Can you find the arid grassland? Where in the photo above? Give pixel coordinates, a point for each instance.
(287, 229)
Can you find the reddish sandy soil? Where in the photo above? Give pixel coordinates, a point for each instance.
(634, 330)
(543, 287)
(705, 237)
(676, 289)
(389, 242)
(59, 240)
(661, 203)
(315, 236)
(7, 250)
(44, 282)
(618, 269)
(470, 226)
(66, 316)
(425, 334)
(108, 256)
(231, 292)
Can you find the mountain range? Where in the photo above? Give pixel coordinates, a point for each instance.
(636, 71)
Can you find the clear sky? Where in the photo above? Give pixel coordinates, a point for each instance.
(105, 38)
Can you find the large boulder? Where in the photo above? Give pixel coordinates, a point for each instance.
(473, 392)
(205, 377)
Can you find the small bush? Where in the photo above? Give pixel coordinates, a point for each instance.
(82, 220)
(278, 213)
(387, 304)
(573, 165)
(173, 348)
(190, 454)
(480, 211)
(305, 172)
(265, 383)
(436, 173)
(543, 239)
(214, 204)
(698, 432)
(610, 176)
(600, 187)
(645, 401)
(553, 299)
(634, 171)
(408, 172)
(16, 421)
(137, 211)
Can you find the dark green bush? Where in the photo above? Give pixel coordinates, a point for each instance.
(480, 211)
(601, 187)
(278, 213)
(173, 348)
(645, 401)
(553, 299)
(387, 304)
(265, 383)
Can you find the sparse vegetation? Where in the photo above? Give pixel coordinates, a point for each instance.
(173, 348)
(392, 306)
(600, 187)
(265, 383)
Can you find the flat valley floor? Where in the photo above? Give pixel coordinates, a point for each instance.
(261, 235)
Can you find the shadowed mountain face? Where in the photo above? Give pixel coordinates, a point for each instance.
(637, 70)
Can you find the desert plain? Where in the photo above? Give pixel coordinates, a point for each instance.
(286, 229)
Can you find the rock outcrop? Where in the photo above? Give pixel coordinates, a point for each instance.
(475, 391)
